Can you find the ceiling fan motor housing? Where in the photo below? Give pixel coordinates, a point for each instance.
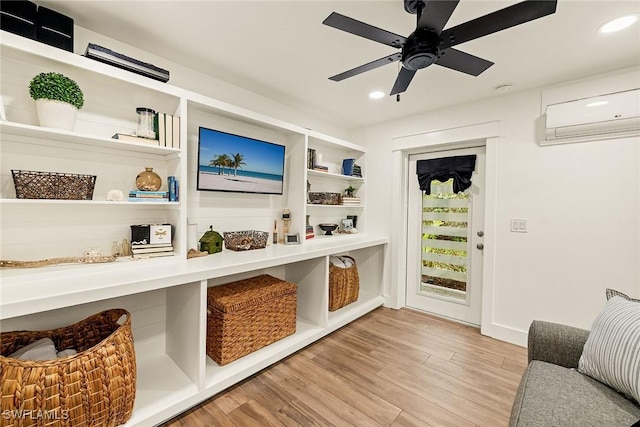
(421, 49)
(412, 6)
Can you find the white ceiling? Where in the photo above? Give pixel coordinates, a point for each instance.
(280, 49)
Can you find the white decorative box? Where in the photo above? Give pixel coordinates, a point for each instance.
(150, 234)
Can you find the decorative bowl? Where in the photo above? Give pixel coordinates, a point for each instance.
(328, 228)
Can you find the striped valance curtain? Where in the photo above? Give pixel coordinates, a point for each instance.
(459, 168)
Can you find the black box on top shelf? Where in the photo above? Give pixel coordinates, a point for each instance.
(55, 29)
(19, 17)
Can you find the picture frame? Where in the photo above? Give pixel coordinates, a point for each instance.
(292, 239)
(347, 224)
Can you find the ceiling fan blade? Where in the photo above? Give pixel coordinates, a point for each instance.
(361, 29)
(403, 80)
(463, 62)
(436, 13)
(366, 67)
(497, 21)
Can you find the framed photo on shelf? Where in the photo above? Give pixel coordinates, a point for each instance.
(292, 239)
(347, 224)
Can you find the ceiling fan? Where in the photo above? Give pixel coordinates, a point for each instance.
(430, 44)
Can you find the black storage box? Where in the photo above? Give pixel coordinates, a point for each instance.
(55, 29)
(19, 17)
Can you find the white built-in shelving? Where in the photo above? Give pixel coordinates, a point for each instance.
(166, 296)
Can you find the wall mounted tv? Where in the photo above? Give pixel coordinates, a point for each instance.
(234, 163)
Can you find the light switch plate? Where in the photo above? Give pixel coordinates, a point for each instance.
(518, 225)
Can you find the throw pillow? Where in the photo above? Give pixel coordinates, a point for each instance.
(613, 293)
(611, 353)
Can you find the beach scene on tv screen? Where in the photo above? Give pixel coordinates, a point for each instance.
(234, 163)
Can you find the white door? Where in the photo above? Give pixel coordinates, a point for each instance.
(445, 242)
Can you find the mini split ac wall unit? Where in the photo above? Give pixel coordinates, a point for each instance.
(613, 115)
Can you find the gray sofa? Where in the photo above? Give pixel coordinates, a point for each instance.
(553, 393)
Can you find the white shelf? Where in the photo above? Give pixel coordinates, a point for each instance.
(85, 202)
(219, 377)
(317, 139)
(159, 385)
(329, 175)
(310, 205)
(28, 291)
(335, 236)
(15, 45)
(45, 135)
(366, 302)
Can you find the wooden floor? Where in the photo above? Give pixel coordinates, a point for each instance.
(388, 368)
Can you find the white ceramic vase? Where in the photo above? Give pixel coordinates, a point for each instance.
(56, 114)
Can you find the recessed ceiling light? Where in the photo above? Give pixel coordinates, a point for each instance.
(618, 24)
(376, 94)
(502, 89)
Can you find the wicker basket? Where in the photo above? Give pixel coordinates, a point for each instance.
(323, 198)
(245, 240)
(53, 185)
(344, 285)
(95, 387)
(247, 315)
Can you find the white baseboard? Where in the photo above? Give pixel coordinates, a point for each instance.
(505, 333)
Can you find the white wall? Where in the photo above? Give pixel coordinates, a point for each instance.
(581, 201)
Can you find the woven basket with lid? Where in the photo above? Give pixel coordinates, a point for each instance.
(247, 315)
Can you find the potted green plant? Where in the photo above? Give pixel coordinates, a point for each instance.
(58, 99)
(350, 191)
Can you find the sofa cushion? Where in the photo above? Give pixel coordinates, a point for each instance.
(612, 352)
(550, 395)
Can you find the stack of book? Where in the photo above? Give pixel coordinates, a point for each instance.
(311, 158)
(309, 232)
(357, 171)
(132, 138)
(174, 189)
(151, 250)
(320, 168)
(351, 201)
(168, 130)
(148, 196)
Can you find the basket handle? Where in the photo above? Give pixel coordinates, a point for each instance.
(115, 314)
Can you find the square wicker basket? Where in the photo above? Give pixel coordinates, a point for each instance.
(249, 314)
(53, 185)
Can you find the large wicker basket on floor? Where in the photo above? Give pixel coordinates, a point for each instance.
(344, 285)
(94, 388)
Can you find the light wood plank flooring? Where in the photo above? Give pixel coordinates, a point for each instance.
(396, 368)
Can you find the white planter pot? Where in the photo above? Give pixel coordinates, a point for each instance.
(56, 114)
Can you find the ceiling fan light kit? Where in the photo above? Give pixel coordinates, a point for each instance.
(430, 44)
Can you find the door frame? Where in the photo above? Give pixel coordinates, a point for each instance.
(486, 134)
(469, 310)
